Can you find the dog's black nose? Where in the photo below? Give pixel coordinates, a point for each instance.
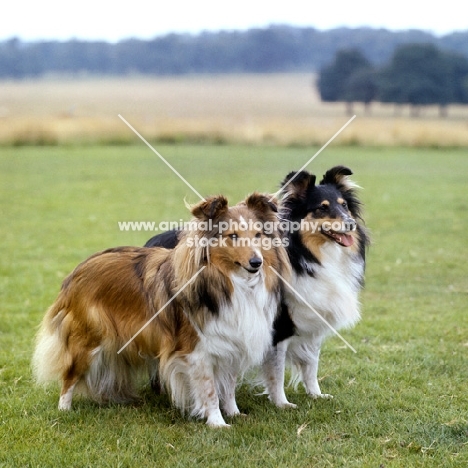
(255, 262)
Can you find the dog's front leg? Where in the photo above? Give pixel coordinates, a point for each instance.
(309, 368)
(228, 395)
(204, 393)
(273, 374)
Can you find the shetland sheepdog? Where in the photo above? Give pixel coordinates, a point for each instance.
(326, 248)
(195, 317)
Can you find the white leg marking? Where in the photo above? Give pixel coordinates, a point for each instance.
(65, 400)
(309, 369)
(205, 396)
(273, 370)
(215, 419)
(228, 398)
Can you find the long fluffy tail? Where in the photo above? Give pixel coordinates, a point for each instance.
(108, 377)
(51, 357)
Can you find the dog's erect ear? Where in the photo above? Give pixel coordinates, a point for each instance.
(211, 208)
(264, 206)
(338, 175)
(297, 183)
(261, 202)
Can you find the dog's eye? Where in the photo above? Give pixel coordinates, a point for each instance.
(258, 235)
(344, 205)
(233, 236)
(323, 207)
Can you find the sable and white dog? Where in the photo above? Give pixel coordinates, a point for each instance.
(216, 299)
(327, 255)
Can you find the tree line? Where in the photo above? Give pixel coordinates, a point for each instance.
(262, 50)
(416, 74)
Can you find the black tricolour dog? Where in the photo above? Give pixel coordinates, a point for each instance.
(326, 245)
(326, 248)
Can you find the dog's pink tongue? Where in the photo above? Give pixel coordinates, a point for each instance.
(346, 240)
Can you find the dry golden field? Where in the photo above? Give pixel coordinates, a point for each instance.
(281, 109)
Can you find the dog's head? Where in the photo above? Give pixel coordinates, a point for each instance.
(237, 243)
(327, 211)
(237, 239)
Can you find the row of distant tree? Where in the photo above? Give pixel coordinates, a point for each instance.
(273, 49)
(417, 74)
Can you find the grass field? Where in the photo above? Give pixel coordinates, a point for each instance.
(278, 109)
(401, 401)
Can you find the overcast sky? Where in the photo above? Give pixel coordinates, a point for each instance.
(112, 21)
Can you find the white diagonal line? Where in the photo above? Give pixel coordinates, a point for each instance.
(162, 159)
(161, 309)
(313, 157)
(313, 310)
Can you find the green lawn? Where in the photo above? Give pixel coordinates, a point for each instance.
(401, 401)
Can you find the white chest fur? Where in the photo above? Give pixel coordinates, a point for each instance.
(242, 333)
(332, 292)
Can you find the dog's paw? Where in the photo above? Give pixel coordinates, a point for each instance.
(236, 414)
(215, 420)
(325, 396)
(217, 425)
(280, 401)
(286, 405)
